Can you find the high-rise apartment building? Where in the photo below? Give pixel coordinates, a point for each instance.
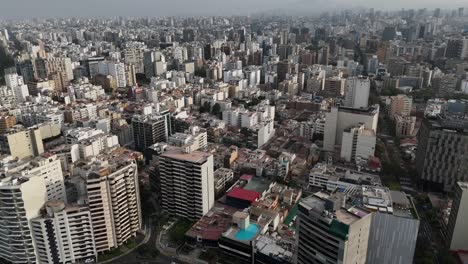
(457, 227)
(283, 69)
(46, 166)
(441, 157)
(404, 125)
(187, 182)
(151, 129)
(150, 58)
(114, 199)
(64, 234)
(357, 92)
(21, 200)
(457, 48)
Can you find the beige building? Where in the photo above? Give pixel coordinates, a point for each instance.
(400, 105)
(404, 125)
(114, 198)
(7, 122)
(22, 143)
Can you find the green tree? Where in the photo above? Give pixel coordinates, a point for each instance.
(205, 108)
(216, 110)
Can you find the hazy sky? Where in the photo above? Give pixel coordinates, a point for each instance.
(87, 8)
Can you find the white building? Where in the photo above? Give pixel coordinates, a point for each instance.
(358, 141)
(187, 182)
(222, 176)
(88, 91)
(64, 234)
(197, 139)
(21, 200)
(114, 69)
(265, 131)
(464, 86)
(331, 178)
(47, 167)
(13, 80)
(341, 118)
(357, 91)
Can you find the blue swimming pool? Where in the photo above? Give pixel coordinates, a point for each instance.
(248, 233)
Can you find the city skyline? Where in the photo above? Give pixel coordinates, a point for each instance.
(149, 8)
(262, 132)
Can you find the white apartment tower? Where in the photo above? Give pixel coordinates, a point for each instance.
(187, 182)
(357, 91)
(21, 200)
(114, 201)
(64, 234)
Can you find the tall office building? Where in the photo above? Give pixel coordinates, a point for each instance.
(114, 200)
(341, 118)
(21, 200)
(441, 157)
(328, 233)
(151, 129)
(187, 182)
(357, 225)
(357, 92)
(64, 234)
(457, 227)
(283, 69)
(457, 48)
(188, 34)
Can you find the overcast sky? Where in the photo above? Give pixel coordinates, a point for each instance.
(108, 8)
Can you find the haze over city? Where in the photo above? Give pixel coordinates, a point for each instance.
(139, 8)
(234, 132)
